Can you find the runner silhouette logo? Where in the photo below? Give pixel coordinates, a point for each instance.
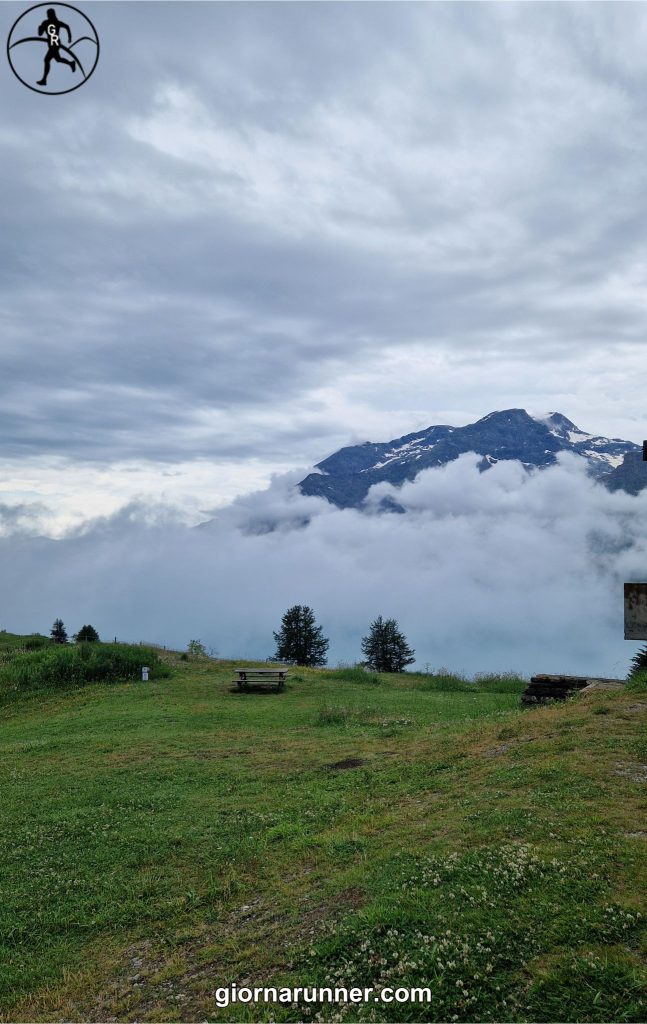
(53, 49)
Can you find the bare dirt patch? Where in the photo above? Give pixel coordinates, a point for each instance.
(345, 765)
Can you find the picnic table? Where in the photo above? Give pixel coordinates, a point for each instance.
(261, 677)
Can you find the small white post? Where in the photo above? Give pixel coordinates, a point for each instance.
(145, 673)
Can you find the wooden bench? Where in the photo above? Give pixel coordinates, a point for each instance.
(261, 677)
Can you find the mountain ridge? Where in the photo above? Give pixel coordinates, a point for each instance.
(344, 478)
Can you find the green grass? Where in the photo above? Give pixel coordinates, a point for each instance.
(356, 674)
(64, 666)
(160, 840)
(12, 645)
(638, 682)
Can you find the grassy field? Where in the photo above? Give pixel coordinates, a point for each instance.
(161, 840)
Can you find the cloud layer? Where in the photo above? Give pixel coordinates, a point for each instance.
(486, 571)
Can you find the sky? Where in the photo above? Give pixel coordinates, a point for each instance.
(264, 231)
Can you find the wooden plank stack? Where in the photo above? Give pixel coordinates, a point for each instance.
(542, 688)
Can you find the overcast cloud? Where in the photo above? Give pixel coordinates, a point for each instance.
(263, 231)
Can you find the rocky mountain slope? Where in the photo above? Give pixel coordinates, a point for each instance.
(345, 477)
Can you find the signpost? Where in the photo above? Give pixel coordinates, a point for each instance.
(635, 611)
(636, 601)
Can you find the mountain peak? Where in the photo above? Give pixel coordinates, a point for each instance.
(560, 423)
(506, 434)
(506, 416)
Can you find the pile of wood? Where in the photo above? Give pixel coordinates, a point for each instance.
(543, 688)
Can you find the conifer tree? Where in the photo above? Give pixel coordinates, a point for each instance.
(86, 635)
(386, 648)
(300, 639)
(638, 663)
(58, 632)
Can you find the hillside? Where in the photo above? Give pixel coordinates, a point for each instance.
(345, 477)
(162, 840)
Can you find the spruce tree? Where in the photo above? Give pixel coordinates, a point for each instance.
(300, 639)
(373, 646)
(58, 632)
(386, 648)
(86, 635)
(638, 663)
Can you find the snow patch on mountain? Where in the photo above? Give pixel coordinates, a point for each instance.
(505, 435)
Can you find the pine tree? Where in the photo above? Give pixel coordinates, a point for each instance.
(638, 663)
(300, 639)
(386, 648)
(86, 635)
(58, 632)
(373, 646)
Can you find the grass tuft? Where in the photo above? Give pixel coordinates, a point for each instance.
(637, 683)
(355, 674)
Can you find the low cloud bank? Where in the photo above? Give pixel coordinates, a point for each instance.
(486, 571)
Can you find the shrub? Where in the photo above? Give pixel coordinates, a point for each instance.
(35, 641)
(638, 663)
(15, 643)
(61, 667)
(12, 646)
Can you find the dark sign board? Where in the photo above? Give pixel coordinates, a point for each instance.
(635, 611)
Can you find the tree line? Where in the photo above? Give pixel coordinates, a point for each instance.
(301, 641)
(86, 634)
